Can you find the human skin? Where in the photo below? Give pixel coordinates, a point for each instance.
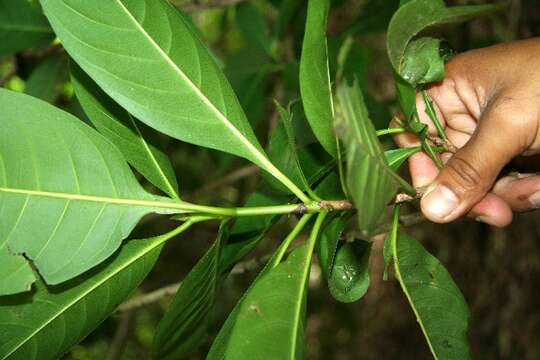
(489, 105)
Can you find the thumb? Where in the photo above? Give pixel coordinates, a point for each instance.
(471, 172)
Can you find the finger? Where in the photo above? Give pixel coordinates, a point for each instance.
(492, 210)
(457, 138)
(470, 173)
(521, 191)
(423, 170)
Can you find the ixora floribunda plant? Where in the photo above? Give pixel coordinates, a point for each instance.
(68, 197)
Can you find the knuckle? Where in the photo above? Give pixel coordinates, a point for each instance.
(464, 174)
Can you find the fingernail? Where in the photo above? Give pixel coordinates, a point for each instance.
(482, 219)
(534, 199)
(439, 201)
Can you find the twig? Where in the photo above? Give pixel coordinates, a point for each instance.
(122, 331)
(404, 197)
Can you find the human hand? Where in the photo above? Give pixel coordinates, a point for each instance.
(489, 105)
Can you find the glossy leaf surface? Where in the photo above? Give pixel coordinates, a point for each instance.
(147, 56)
(349, 279)
(436, 300)
(46, 323)
(22, 26)
(370, 181)
(67, 197)
(315, 77)
(120, 128)
(185, 323)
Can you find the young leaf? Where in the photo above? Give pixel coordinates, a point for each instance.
(397, 157)
(283, 153)
(269, 321)
(372, 184)
(423, 63)
(184, 325)
(120, 128)
(67, 196)
(438, 305)
(48, 322)
(147, 57)
(47, 80)
(315, 76)
(22, 26)
(348, 280)
(414, 16)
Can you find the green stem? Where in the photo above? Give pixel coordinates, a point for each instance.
(276, 259)
(314, 235)
(341, 171)
(432, 154)
(430, 111)
(391, 131)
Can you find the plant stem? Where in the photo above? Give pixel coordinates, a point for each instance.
(391, 131)
(432, 154)
(276, 259)
(430, 111)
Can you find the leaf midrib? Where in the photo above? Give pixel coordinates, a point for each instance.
(252, 149)
(134, 258)
(179, 205)
(408, 295)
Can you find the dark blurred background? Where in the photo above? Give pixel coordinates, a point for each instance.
(259, 44)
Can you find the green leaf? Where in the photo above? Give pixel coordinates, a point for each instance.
(372, 184)
(349, 278)
(252, 23)
(328, 244)
(67, 196)
(185, 323)
(423, 63)
(120, 128)
(406, 94)
(269, 321)
(148, 58)
(46, 323)
(417, 15)
(439, 306)
(22, 26)
(282, 152)
(315, 76)
(397, 157)
(47, 80)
